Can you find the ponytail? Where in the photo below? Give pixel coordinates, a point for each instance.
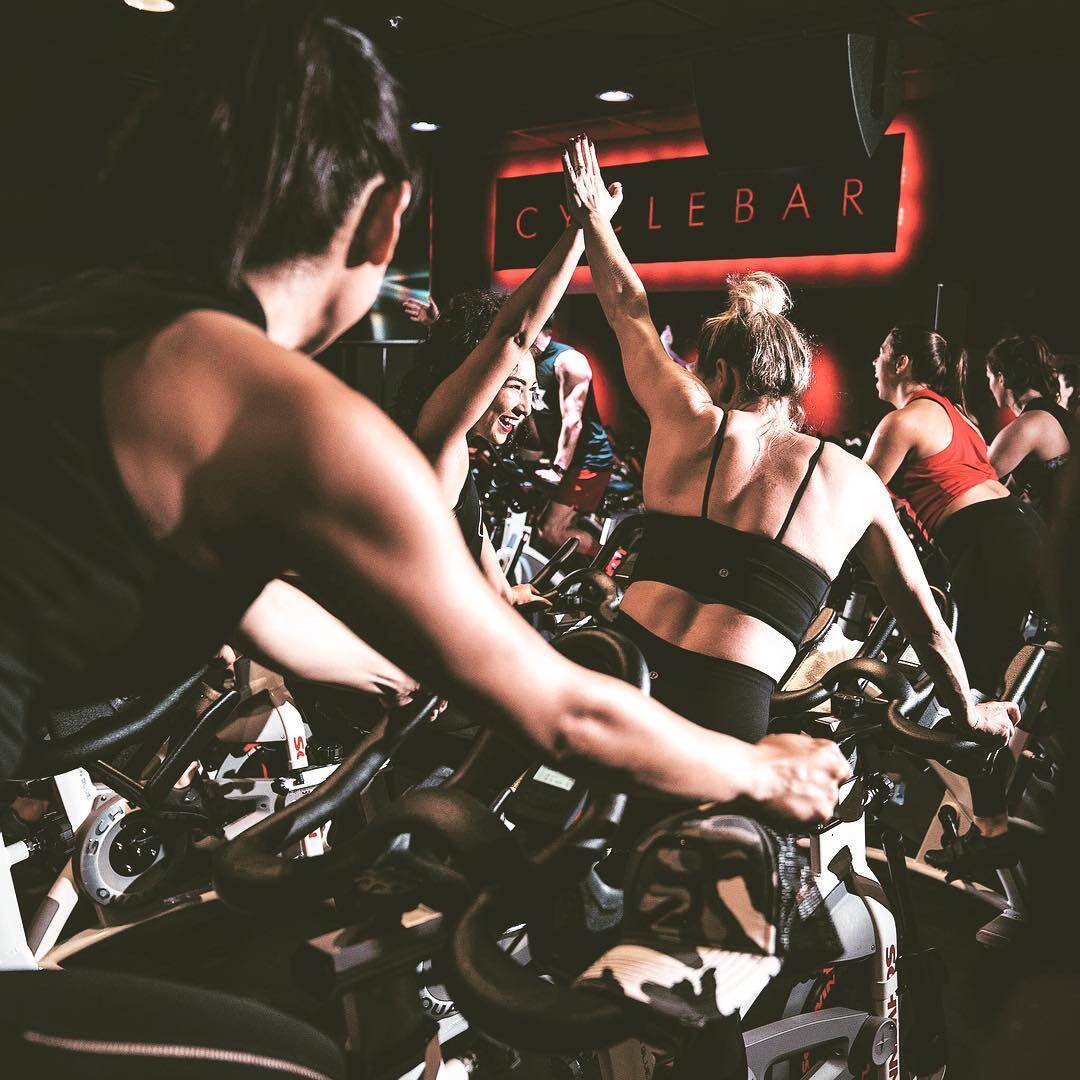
(932, 362)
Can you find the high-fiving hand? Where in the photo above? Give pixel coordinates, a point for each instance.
(586, 194)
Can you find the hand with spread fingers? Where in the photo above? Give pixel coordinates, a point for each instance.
(586, 193)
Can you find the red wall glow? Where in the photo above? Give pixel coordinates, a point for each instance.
(802, 269)
(823, 402)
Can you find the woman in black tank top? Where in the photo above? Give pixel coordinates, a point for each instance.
(1032, 451)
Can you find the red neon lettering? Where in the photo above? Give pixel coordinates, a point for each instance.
(694, 206)
(652, 204)
(796, 203)
(742, 204)
(566, 216)
(850, 196)
(517, 222)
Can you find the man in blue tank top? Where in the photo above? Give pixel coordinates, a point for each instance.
(572, 434)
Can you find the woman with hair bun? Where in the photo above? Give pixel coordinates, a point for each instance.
(931, 452)
(749, 518)
(1030, 452)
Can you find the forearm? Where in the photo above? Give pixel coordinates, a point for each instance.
(290, 630)
(568, 440)
(614, 735)
(618, 287)
(941, 659)
(489, 563)
(532, 303)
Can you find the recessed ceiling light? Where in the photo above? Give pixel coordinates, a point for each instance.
(151, 5)
(615, 95)
(424, 125)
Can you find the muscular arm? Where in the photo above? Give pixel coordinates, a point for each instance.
(213, 404)
(1013, 443)
(287, 628)
(461, 398)
(891, 560)
(575, 378)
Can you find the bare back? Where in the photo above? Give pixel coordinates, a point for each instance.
(759, 472)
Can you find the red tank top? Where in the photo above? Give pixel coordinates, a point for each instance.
(930, 484)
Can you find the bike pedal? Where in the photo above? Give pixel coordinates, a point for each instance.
(1001, 931)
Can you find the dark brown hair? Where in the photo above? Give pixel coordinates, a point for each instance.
(1026, 363)
(932, 361)
(271, 117)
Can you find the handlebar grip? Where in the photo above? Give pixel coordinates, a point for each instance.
(947, 747)
(547, 572)
(511, 1002)
(109, 733)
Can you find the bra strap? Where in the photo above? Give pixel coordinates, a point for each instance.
(712, 464)
(801, 489)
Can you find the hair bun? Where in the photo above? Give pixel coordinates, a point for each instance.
(757, 293)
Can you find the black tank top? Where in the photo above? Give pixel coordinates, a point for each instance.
(469, 517)
(93, 607)
(593, 451)
(1040, 480)
(718, 564)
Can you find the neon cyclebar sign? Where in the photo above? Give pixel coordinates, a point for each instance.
(686, 225)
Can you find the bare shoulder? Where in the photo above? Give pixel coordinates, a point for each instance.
(223, 349)
(209, 399)
(852, 480)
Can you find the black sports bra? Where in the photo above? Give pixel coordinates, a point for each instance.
(718, 564)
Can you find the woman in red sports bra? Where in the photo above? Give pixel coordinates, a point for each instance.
(931, 453)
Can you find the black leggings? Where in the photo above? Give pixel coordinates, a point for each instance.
(998, 554)
(997, 551)
(733, 699)
(83, 1024)
(717, 694)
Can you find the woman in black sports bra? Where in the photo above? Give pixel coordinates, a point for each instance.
(1034, 449)
(749, 518)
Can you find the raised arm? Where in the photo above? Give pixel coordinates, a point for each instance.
(460, 399)
(662, 389)
(891, 560)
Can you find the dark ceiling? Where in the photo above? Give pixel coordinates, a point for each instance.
(493, 68)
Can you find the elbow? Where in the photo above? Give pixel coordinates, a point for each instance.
(632, 302)
(511, 329)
